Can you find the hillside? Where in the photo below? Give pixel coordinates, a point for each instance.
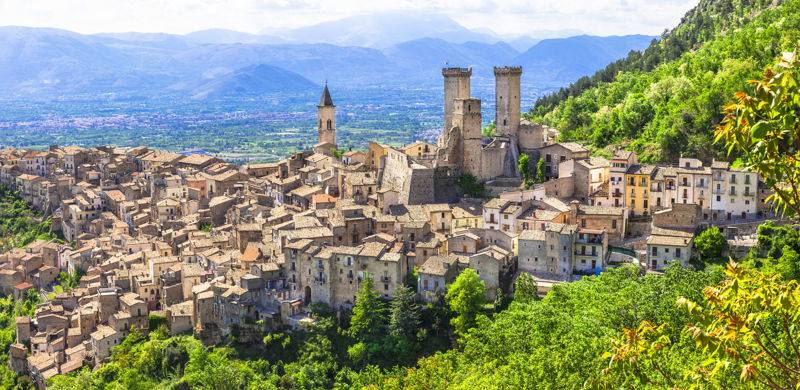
(666, 100)
(254, 80)
(568, 59)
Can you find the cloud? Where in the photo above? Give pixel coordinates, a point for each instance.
(510, 17)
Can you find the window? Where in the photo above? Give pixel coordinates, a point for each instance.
(655, 251)
(677, 252)
(613, 223)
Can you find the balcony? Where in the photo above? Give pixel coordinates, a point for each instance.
(732, 192)
(617, 194)
(749, 193)
(386, 279)
(318, 280)
(718, 191)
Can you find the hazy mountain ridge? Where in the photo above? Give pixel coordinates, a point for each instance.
(51, 62)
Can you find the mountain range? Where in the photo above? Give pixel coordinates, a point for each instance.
(357, 52)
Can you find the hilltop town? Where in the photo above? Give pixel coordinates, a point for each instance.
(219, 249)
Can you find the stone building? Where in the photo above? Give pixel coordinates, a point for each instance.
(326, 123)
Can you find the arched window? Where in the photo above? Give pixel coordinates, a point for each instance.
(329, 124)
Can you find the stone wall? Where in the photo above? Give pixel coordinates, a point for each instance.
(681, 216)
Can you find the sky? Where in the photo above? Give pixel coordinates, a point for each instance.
(505, 17)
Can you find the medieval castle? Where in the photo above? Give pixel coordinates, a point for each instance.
(461, 147)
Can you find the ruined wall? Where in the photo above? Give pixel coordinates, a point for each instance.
(680, 216)
(531, 136)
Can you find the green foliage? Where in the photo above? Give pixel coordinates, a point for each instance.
(19, 224)
(745, 329)
(205, 227)
(777, 250)
(661, 103)
(540, 178)
(338, 153)
(469, 185)
(525, 289)
(466, 296)
(763, 128)
(488, 130)
(710, 245)
(558, 342)
(405, 314)
(368, 323)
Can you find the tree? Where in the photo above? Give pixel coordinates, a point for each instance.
(710, 244)
(368, 322)
(764, 130)
(525, 288)
(466, 296)
(540, 178)
(469, 185)
(405, 314)
(488, 130)
(747, 326)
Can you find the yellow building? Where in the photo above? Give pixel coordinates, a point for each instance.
(420, 150)
(376, 152)
(637, 188)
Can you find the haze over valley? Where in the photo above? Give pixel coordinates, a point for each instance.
(252, 96)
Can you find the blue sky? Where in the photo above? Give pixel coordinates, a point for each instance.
(506, 17)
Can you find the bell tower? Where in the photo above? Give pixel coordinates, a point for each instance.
(326, 118)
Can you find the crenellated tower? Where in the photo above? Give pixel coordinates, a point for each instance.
(507, 100)
(326, 118)
(456, 86)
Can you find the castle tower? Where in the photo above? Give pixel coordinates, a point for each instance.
(467, 117)
(507, 97)
(456, 86)
(326, 118)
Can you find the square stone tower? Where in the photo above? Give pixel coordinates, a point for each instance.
(326, 118)
(467, 117)
(507, 100)
(456, 86)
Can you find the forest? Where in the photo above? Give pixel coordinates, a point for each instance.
(665, 102)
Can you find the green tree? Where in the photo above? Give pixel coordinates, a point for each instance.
(466, 296)
(710, 245)
(525, 288)
(405, 314)
(368, 323)
(488, 130)
(763, 128)
(540, 178)
(469, 185)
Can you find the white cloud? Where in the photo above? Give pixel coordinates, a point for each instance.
(602, 17)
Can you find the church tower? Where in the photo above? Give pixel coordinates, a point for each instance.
(326, 118)
(507, 98)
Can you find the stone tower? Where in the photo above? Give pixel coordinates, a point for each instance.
(467, 117)
(456, 86)
(326, 118)
(507, 98)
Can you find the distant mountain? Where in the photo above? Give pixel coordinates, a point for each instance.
(381, 30)
(222, 36)
(564, 60)
(51, 62)
(433, 54)
(252, 81)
